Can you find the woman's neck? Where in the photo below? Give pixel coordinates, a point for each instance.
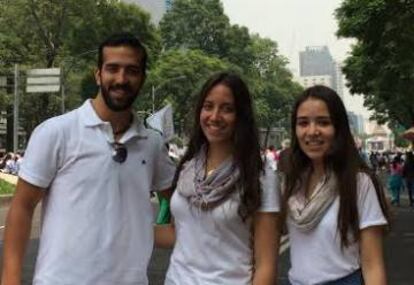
(318, 169)
(216, 154)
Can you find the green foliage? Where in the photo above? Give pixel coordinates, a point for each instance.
(6, 187)
(271, 83)
(177, 76)
(195, 40)
(202, 25)
(195, 24)
(381, 65)
(52, 33)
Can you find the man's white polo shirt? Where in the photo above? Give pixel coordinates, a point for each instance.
(97, 219)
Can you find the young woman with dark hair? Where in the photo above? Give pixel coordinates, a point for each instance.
(334, 205)
(226, 202)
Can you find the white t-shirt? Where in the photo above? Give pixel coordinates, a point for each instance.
(97, 215)
(316, 256)
(214, 247)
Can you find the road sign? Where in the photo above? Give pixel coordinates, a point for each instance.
(43, 80)
(42, 88)
(3, 81)
(44, 72)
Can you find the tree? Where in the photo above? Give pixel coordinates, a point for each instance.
(272, 84)
(50, 33)
(195, 24)
(202, 25)
(381, 64)
(178, 76)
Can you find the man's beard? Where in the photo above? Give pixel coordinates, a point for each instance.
(119, 105)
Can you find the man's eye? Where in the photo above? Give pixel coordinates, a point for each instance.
(111, 69)
(133, 71)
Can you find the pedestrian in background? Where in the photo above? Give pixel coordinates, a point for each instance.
(226, 202)
(93, 168)
(335, 207)
(284, 155)
(395, 179)
(272, 157)
(408, 175)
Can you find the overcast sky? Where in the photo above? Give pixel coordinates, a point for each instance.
(294, 24)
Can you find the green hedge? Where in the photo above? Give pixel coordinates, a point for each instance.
(6, 188)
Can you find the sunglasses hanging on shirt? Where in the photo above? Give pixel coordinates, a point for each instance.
(120, 152)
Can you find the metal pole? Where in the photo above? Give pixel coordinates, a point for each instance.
(153, 99)
(16, 109)
(62, 87)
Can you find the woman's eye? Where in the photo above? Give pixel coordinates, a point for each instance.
(207, 107)
(325, 123)
(228, 109)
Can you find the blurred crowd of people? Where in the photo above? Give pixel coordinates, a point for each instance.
(10, 163)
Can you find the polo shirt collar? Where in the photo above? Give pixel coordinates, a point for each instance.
(91, 119)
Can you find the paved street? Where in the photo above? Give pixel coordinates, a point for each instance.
(399, 250)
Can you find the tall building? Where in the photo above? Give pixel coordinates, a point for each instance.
(308, 81)
(356, 123)
(317, 62)
(156, 8)
(340, 79)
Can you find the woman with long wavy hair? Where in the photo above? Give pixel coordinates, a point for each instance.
(226, 201)
(335, 206)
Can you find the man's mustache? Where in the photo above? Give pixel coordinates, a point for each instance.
(124, 87)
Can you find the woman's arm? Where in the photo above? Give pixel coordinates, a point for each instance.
(266, 247)
(164, 235)
(372, 259)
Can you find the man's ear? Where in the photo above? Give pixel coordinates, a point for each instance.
(98, 76)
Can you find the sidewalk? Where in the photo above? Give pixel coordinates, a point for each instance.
(399, 245)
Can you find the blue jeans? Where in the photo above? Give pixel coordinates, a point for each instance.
(355, 278)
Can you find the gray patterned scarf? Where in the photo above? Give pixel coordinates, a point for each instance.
(206, 192)
(306, 213)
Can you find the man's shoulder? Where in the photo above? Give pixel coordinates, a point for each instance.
(58, 124)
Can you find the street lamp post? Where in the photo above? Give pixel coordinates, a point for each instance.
(154, 89)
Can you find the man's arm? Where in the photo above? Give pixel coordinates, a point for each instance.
(18, 226)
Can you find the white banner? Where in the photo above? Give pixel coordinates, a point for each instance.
(163, 121)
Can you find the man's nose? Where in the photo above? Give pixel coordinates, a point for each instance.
(121, 77)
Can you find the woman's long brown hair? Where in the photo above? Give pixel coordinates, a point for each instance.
(343, 158)
(246, 141)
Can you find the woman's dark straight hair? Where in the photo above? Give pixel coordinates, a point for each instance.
(245, 139)
(343, 158)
